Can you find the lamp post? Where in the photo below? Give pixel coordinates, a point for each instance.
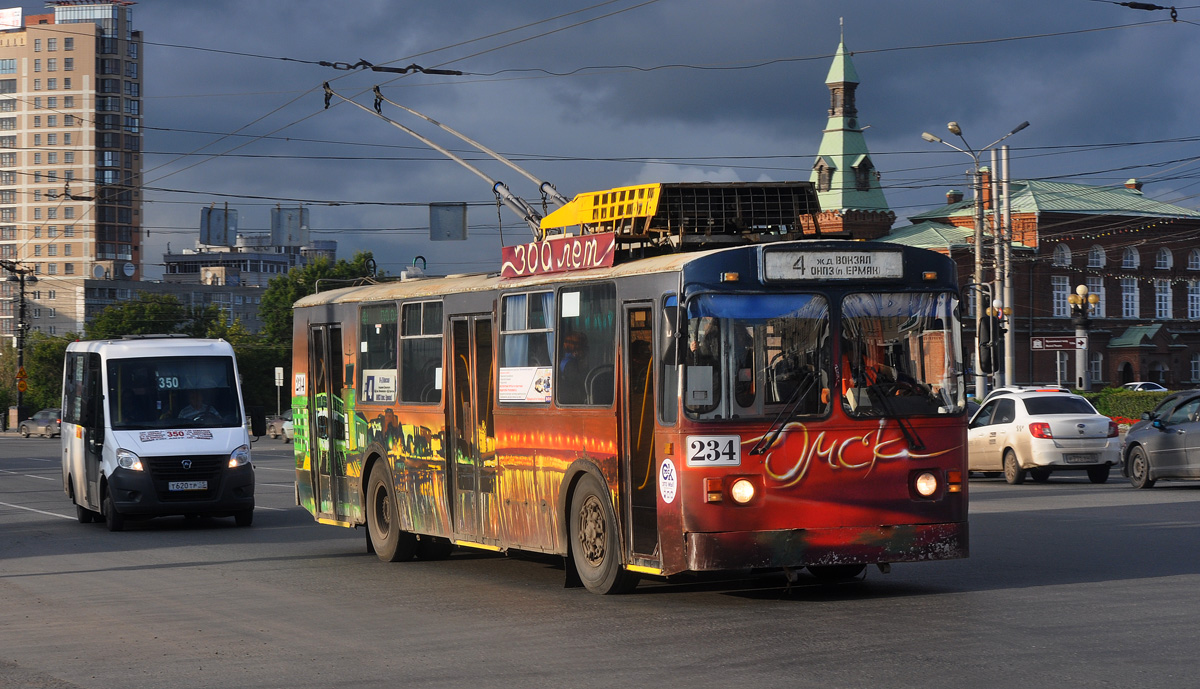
(977, 188)
(1082, 305)
(22, 274)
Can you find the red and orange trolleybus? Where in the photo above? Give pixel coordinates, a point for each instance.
(749, 400)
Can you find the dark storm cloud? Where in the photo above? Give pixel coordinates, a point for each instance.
(1116, 86)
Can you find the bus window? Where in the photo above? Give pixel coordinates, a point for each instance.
(421, 352)
(669, 366)
(587, 328)
(749, 356)
(377, 353)
(526, 345)
(899, 357)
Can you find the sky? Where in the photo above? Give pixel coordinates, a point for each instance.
(591, 95)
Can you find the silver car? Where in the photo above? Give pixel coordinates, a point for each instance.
(1166, 442)
(1038, 433)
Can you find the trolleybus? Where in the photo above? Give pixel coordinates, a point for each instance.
(682, 383)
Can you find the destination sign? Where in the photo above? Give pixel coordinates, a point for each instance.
(833, 265)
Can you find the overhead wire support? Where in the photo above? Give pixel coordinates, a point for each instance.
(545, 187)
(515, 203)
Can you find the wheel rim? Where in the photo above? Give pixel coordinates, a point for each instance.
(383, 512)
(1139, 466)
(1010, 467)
(592, 532)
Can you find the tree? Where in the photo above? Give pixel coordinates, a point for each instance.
(149, 314)
(285, 290)
(44, 356)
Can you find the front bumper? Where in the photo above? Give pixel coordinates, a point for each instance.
(140, 493)
(829, 546)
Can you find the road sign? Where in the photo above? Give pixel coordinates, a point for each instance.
(22, 386)
(278, 376)
(21, 373)
(1058, 343)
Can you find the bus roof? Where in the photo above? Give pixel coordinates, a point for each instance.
(154, 346)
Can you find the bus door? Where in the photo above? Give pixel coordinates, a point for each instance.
(472, 459)
(641, 511)
(327, 424)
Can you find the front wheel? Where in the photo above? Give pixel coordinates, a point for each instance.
(595, 549)
(1139, 469)
(1013, 473)
(1099, 474)
(383, 520)
(114, 520)
(24, 431)
(244, 517)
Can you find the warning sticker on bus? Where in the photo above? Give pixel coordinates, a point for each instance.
(832, 265)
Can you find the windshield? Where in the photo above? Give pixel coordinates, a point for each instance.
(1044, 406)
(900, 354)
(747, 355)
(173, 392)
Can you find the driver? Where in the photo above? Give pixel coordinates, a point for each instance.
(196, 406)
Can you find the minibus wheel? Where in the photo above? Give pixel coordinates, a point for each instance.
(114, 520)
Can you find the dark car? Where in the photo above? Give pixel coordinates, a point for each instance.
(44, 423)
(1165, 444)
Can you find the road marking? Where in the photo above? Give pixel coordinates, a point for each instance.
(48, 514)
(13, 473)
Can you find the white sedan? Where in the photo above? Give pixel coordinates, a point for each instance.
(1040, 433)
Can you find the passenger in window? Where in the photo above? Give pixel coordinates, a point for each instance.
(573, 369)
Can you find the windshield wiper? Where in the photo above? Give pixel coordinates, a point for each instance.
(785, 415)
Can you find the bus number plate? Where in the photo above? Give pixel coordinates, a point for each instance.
(714, 451)
(187, 485)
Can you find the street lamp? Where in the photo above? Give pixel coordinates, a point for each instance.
(22, 274)
(1082, 306)
(977, 187)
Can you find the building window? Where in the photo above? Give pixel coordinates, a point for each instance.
(1131, 259)
(1095, 366)
(68, 44)
(1095, 286)
(1096, 257)
(1162, 299)
(52, 64)
(1164, 260)
(69, 268)
(8, 66)
(37, 45)
(1129, 297)
(1064, 373)
(1193, 262)
(68, 65)
(1059, 289)
(1062, 255)
(37, 65)
(1193, 300)
(51, 44)
(1195, 367)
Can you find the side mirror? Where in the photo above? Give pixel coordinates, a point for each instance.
(1147, 415)
(1159, 424)
(258, 421)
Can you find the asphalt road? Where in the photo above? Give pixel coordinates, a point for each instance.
(1068, 584)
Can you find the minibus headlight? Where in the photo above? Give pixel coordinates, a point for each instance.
(926, 484)
(742, 491)
(128, 460)
(239, 457)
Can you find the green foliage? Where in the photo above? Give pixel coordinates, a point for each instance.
(149, 314)
(44, 357)
(275, 311)
(1124, 403)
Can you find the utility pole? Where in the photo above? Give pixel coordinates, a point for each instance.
(21, 274)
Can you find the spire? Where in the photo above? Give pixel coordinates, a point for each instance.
(845, 176)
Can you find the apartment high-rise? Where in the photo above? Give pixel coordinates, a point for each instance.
(70, 157)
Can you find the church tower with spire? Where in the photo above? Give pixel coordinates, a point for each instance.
(852, 202)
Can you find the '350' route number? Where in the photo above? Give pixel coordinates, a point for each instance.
(714, 451)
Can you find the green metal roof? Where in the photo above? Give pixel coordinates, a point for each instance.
(1135, 336)
(842, 70)
(931, 235)
(1037, 196)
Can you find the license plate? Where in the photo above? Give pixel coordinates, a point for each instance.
(1079, 458)
(187, 485)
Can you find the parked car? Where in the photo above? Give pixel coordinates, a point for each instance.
(44, 423)
(1038, 433)
(1143, 386)
(275, 423)
(1165, 443)
(288, 433)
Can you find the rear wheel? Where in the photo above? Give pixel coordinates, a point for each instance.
(1013, 473)
(1139, 469)
(1040, 475)
(833, 574)
(383, 521)
(594, 545)
(1099, 474)
(84, 515)
(114, 520)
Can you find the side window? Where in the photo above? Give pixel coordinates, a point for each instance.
(72, 410)
(1006, 411)
(587, 327)
(1184, 413)
(984, 416)
(526, 347)
(421, 352)
(378, 330)
(668, 364)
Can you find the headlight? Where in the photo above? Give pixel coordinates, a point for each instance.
(926, 484)
(239, 457)
(742, 491)
(128, 460)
